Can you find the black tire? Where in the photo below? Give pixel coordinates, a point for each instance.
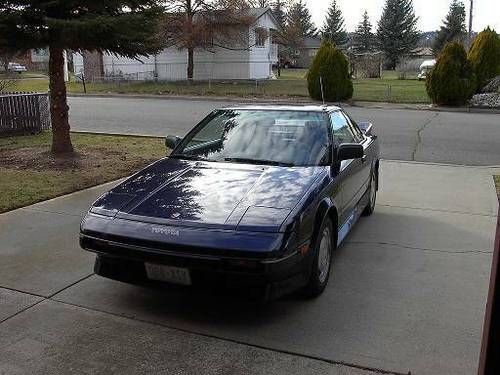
(372, 189)
(318, 281)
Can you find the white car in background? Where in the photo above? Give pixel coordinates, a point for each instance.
(425, 68)
(16, 68)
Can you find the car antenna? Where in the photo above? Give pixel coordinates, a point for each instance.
(322, 91)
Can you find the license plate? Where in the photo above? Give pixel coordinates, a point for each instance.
(174, 275)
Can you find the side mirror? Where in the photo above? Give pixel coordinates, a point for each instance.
(348, 151)
(366, 127)
(172, 141)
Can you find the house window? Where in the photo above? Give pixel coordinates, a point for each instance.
(260, 37)
(313, 52)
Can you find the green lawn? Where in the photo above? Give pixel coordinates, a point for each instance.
(497, 183)
(292, 83)
(29, 173)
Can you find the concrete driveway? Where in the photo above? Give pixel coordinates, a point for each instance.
(407, 293)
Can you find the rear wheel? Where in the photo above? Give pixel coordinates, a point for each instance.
(322, 261)
(370, 207)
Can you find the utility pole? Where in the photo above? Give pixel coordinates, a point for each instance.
(470, 21)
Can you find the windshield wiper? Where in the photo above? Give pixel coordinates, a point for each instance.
(259, 161)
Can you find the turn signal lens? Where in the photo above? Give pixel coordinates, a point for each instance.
(304, 249)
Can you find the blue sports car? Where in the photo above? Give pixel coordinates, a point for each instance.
(254, 197)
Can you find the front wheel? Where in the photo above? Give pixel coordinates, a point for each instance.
(370, 207)
(322, 261)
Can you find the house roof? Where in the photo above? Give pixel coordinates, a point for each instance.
(259, 12)
(311, 42)
(421, 51)
(225, 16)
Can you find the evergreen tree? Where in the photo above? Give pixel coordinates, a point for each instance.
(453, 29)
(484, 55)
(279, 11)
(259, 3)
(123, 27)
(334, 27)
(329, 69)
(397, 30)
(299, 20)
(363, 36)
(452, 81)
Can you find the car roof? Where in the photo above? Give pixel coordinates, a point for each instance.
(298, 108)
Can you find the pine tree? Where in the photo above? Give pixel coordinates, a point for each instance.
(259, 3)
(334, 27)
(454, 28)
(329, 69)
(397, 30)
(279, 11)
(364, 38)
(123, 27)
(452, 81)
(484, 55)
(299, 20)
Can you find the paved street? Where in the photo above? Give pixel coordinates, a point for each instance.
(442, 137)
(407, 293)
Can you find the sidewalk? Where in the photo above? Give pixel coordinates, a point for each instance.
(407, 293)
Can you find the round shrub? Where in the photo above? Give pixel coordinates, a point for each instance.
(484, 56)
(331, 65)
(452, 81)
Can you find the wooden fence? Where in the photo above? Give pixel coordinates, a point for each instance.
(24, 113)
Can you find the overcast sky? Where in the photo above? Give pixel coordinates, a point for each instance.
(430, 12)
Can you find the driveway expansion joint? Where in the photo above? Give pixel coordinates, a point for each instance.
(70, 285)
(22, 291)
(457, 252)
(493, 216)
(22, 310)
(239, 342)
(43, 298)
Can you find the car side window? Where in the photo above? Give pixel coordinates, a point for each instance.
(358, 134)
(340, 128)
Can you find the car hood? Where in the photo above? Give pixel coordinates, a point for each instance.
(208, 194)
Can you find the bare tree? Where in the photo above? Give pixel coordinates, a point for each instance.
(260, 3)
(5, 58)
(6, 82)
(205, 25)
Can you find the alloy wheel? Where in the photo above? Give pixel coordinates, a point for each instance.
(324, 255)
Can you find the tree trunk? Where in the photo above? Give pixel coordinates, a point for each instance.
(61, 141)
(190, 67)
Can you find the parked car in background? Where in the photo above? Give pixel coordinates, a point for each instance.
(16, 68)
(425, 68)
(254, 197)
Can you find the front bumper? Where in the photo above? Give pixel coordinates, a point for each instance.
(267, 278)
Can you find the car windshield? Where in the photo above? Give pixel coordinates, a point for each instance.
(268, 137)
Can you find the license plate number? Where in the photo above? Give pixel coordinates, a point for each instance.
(174, 275)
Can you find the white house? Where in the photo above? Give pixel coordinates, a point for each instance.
(254, 62)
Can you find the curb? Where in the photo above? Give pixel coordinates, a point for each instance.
(135, 135)
(294, 100)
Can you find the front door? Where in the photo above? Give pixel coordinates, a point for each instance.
(351, 171)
